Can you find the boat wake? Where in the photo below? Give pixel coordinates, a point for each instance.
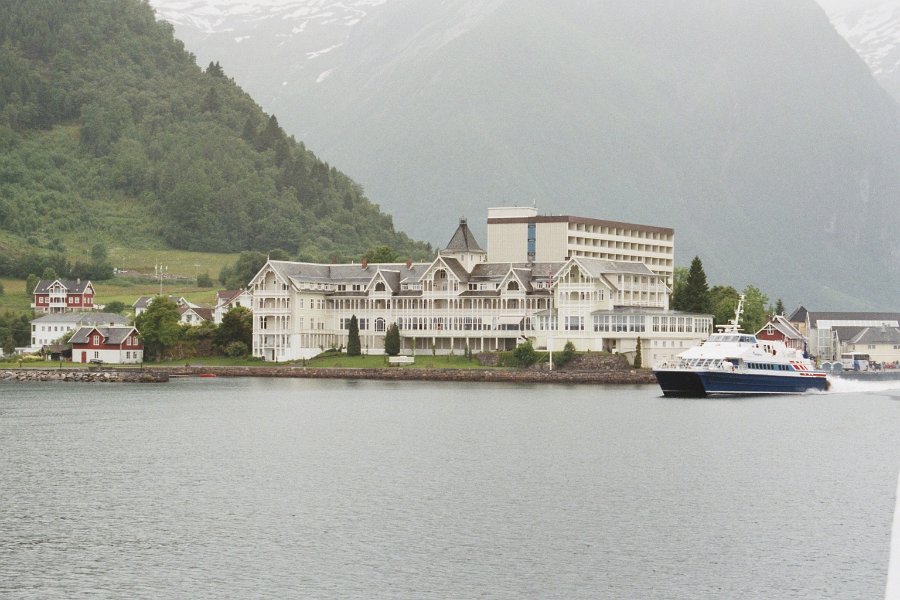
(850, 386)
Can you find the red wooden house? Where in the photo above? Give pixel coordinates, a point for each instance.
(118, 345)
(63, 295)
(780, 329)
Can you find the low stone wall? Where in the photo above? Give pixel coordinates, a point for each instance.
(631, 376)
(85, 375)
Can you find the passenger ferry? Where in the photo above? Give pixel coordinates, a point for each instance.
(735, 363)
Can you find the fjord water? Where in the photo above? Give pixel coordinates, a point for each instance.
(314, 488)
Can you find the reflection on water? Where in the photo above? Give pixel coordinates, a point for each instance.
(292, 488)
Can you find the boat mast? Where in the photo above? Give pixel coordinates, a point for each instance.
(734, 326)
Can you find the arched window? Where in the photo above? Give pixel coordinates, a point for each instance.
(379, 287)
(513, 286)
(379, 324)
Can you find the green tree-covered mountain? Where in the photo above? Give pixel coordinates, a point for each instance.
(110, 131)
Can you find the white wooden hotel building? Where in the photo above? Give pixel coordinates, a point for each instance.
(460, 299)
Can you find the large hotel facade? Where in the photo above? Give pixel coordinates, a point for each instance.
(602, 285)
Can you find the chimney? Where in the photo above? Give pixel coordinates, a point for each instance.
(409, 263)
(365, 264)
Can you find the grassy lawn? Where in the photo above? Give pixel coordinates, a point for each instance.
(179, 263)
(127, 291)
(183, 267)
(14, 299)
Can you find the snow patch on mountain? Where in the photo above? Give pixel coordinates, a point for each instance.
(872, 28)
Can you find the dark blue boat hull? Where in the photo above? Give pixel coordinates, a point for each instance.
(694, 384)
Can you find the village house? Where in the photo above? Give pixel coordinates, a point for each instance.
(882, 344)
(118, 345)
(462, 301)
(830, 333)
(63, 295)
(228, 299)
(47, 329)
(194, 315)
(141, 305)
(780, 329)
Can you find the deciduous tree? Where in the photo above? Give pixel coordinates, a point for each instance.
(159, 327)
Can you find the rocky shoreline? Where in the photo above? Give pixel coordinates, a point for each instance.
(631, 376)
(26, 375)
(163, 374)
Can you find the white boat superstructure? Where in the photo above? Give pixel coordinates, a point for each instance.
(732, 362)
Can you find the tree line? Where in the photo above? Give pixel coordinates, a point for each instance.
(691, 293)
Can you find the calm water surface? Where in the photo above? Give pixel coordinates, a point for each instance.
(292, 488)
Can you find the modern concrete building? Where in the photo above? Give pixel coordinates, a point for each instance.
(520, 234)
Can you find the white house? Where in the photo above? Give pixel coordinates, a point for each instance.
(47, 329)
(228, 299)
(461, 300)
(194, 315)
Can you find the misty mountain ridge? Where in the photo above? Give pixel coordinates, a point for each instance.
(872, 28)
(752, 129)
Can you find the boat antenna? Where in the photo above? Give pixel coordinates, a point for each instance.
(734, 326)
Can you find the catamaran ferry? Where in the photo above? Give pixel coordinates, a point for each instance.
(733, 363)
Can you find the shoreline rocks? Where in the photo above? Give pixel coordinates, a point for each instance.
(163, 374)
(84, 375)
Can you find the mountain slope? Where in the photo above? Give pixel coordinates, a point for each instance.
(872, 28)
(751, 128)
(110, 130)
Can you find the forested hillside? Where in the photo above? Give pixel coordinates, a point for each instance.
(109, 131)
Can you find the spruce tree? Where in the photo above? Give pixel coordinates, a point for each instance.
(694, 296)
(354, 348)
(638, 359)
(392, 340)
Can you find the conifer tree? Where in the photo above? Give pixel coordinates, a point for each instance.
(638, 359)
(354, 347)
(694, 296)
(392, 340)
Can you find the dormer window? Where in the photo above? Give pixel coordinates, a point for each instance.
(379, 287)
(513, 286)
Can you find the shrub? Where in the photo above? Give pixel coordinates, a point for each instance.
(236, 349)
(524, 355)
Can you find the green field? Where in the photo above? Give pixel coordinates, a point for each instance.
(139, 278)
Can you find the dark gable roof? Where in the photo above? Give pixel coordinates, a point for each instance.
(458, 270)
(224, 296)
(142, 302)
(463, 240)
(204, 313)
(877, 335)
(82, 318)
(799, 315)
(73, 286)
(111, 335)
